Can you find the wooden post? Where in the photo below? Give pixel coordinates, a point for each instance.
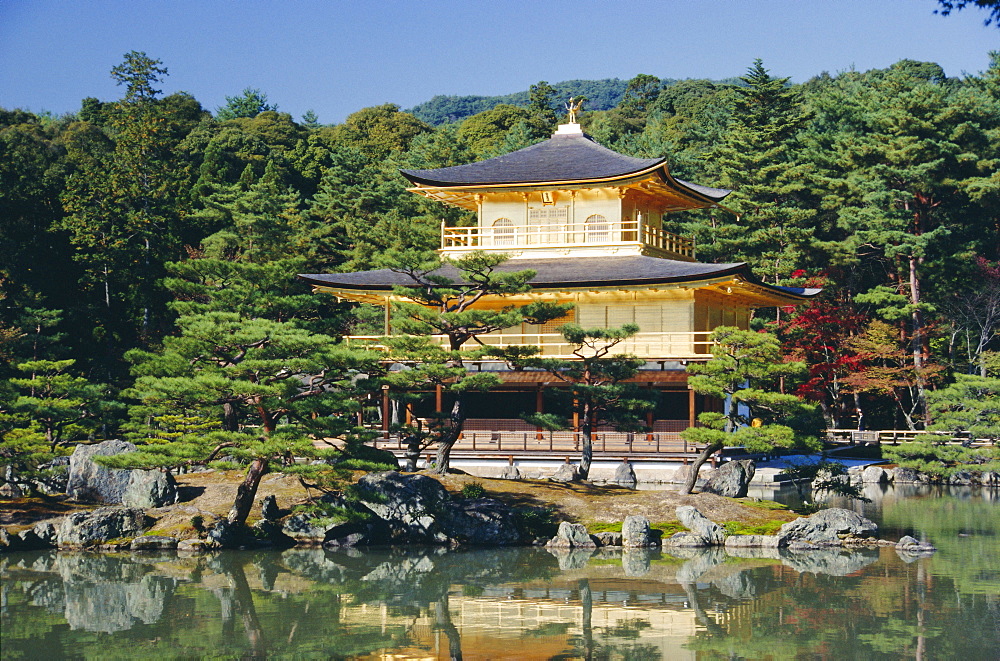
(438, 397)
(385, 411)
(691, 408)
(539, 408)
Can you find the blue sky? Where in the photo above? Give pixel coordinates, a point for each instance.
(335, 57)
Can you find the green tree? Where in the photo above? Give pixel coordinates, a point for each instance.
(276, 389)
(249, 103)
(743, 372)
(442, 301)
(380, 131)
(970, 406)
(484, 132)
(755, 158)
(596, 383)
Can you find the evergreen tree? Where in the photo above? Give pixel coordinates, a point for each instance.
(743, 372)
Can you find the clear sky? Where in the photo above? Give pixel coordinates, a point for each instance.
(337, 56)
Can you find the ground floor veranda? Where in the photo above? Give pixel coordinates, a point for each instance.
(494, 424)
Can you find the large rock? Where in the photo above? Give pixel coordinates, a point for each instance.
(150, 488)
(712, 533)
(636, 532)
(625, 475)
(681, 475)
(909, 476)
(90, 482)
(418, 510)
(874, 475)
(481, 522)
(732, 479)
(571, 536)
(753, 541)
(828, 527)
(409, 504)
(269, 508)
(510, 472)
(566, 473)
(93, 527)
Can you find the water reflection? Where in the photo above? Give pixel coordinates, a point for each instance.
(520, 603)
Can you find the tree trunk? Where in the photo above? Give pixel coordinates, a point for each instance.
(442, 461)
(587, 433)
(247, 492)
(442, 616)
(696, 466)
(230, 421)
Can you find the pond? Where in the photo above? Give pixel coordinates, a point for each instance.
(527, 603)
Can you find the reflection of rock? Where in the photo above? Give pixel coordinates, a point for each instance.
(700, 525)
(314, 565)
(576, 558)
(738, 585)
(732, 479)
(636, 532)
(753, 552)
(635, 561)
(153, 543)
(830, 561)
(91, 527)
(108, 594)
(698, 562)
(830, 526)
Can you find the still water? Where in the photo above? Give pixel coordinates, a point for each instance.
(527, 603)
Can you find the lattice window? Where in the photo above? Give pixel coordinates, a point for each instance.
(553, 326)
(503, 232)
(597, 229)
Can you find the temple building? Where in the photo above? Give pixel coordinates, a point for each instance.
(588, 220)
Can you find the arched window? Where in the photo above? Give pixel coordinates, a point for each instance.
(503, 232)
(597, 229)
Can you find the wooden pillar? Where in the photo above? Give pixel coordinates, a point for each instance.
(388, 327)
(438, 398)
(649, 418)
(539, 408)
(386, 412)
(692, 416)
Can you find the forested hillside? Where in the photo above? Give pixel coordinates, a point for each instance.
(132, 231)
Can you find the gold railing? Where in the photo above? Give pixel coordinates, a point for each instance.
(556, 235)
(651, 346)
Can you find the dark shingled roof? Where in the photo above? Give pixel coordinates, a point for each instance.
(568, 272)
(563, 157)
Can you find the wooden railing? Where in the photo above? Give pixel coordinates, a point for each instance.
(567, 235)
(897, 436)
(651, 346)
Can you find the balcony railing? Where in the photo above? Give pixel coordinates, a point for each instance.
(650, 346)
(564, 235)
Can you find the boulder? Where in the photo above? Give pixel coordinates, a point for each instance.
(480, 522)
(965, 478)
(608, 538)
(909, 476)
(510, 472)
(682, 473)
(625, 475)
(153, 543)
(225, 534)
(712, 533)
(570, 536)
(193, 546)
(828, 527)
(90, 482)
(687, 539)
(358, 533)
(269, 508)
(47, 532)
(409, 504)
(11, 490)
(753, 541)
(913, 545)
(150, 488)
(93, 527)
(307, 528)
(874, 475)
(636, 532)
(566, 473)
(732, 479)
